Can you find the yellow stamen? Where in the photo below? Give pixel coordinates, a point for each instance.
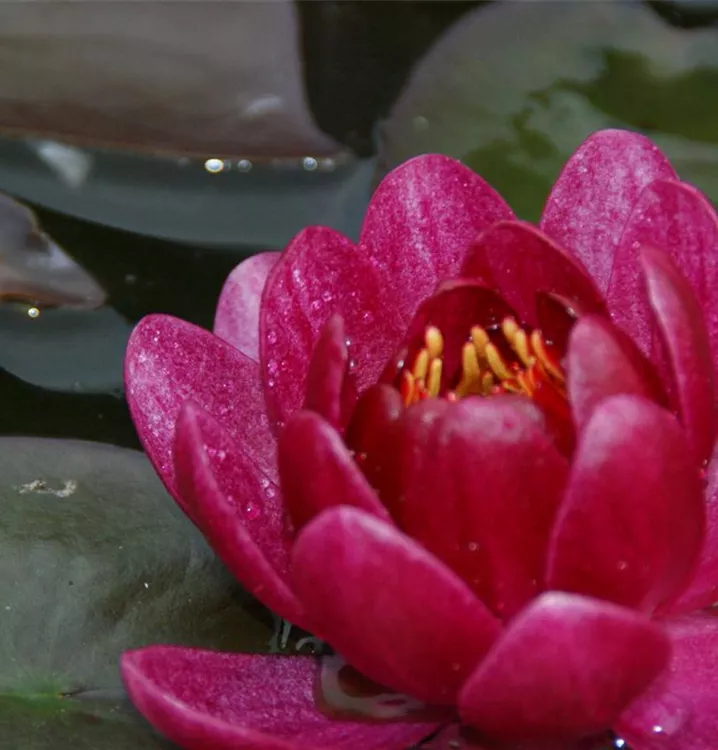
(434, 342)
(497, 364)
(421, 365)
(539, 348)
(434, 383)
(480, 339)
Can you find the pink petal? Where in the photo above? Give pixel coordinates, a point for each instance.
(598, 367)
(631, 525)
(686, 341)
(370, 431)
(677, 218)
(389, 607)
(421, 221)
(566, 667)
(237, 508)
(317, 471)
(702, 591)
(678, 712)
(170, 361)
(204, 699)
(322, 273)
(330, 387)
(595, 194)
(520, 261)
(237, 317)
(482, 496)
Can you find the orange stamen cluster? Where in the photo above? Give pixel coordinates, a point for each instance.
(485, 370)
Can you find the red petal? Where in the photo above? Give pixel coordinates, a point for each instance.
(370, 431)
(388, 606)
(237, 508)
(678, 712)
(681, 324)
(322, 273)
(204, 699)
(702, 591)
(170, 361)
(237, 317)
(595, 194)
(597, 367)
(421, 221)
(318, 472)
(520, 261)
(482, 497)
(631, 525)
(330, 388)
(677, 218)
(566, 667)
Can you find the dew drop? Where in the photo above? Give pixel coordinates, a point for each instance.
(316, 305)
(327, 296)
(622, 565)
(251, 511)
(272, 367)
(33, 312)
(367, 316)
(214, 165)
(310, 163)
(272, 337)
(297, 274)
(244, 165)
(472, 546)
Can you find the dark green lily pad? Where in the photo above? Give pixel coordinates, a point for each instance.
(514, 88)
(95, 558)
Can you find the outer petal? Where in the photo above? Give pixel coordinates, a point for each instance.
(389, 607)
(686, 341)
(421, 221)
(598, 367)
(237, 317)
(170, 361)
(566, 667)
(204, 699)
(482, 496)
(317, 471)
(595, 194)
(237, 508)
(678, 712)
(322, 273)
(677, 218)
(520, 261)
(631, 525)
(330, 387)
(702, 591)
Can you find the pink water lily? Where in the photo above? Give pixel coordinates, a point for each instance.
(472, 455)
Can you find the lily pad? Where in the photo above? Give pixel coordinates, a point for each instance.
(95, 558)
(514, 88)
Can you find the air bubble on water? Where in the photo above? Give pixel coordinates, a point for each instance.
(244, 165)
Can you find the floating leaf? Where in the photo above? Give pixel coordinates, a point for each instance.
(95, 559)
(513, 89)
(35, 269)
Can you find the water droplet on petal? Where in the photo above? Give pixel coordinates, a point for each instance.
(251, 511)
(272, 337)
(316, 305)
(327, 296)
(272, 367)
(367, 316)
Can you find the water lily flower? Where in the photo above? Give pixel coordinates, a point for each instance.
(472, 455)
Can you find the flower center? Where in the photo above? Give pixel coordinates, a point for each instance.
(501, 359)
